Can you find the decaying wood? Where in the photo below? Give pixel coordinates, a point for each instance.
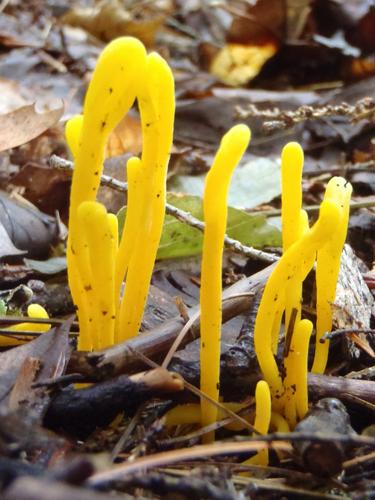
(328, 416)
(324, 386)
(79, 412)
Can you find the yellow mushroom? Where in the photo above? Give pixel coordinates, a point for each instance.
(135, 200)
(262, 420)
(232, 147)
(327, 268)
(190, 413)
(156, 103)
(97, 233)
(291, 205)
(110, 94)
(33, 311)
(294, 264)
(300, 346)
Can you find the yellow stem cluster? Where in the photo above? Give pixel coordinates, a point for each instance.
(283, 293)
(97, 262)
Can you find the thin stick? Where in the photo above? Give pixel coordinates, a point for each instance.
(181, 215)
(26, 319)
(344, 331)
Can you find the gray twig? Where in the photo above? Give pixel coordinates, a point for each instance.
(277, 119)
(181, 215)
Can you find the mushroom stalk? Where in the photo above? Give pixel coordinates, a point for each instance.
(110, 94)
(262, 419)
(232, 147)
(328, 267)
(156, 102)
(294, 264)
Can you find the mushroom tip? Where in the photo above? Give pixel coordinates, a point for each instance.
(237, 137)
(292, 153)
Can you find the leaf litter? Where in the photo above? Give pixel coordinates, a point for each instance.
(310, 55)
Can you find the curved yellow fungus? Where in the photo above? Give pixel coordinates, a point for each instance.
(262, 420)
(296, 262)
(156, 103)
(327, 269)
(110, 94)
(232, 147)
(73, 129)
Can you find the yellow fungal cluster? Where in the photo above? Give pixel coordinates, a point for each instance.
(303, 246)
(97, 261)
(281, 399)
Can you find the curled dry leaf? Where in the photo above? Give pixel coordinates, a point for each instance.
(28, 230)
(26, 123)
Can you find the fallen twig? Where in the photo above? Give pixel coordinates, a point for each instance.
(277, 119)
(181, 215)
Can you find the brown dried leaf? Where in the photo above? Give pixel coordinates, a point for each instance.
(26, 123)
(110, 20)
(43, 358)
(126, 138)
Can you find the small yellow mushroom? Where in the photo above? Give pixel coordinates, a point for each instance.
(300, 346)
(33, 311)
(327, 268)
(278, 423)
(262, 420)
(232, 147)
(97, 233)
(190, 413)
(291, 192)
(291, 203)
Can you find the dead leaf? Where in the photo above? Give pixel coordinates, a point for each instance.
(126, 137)
(236, 64)
(26, 123)
(7, 249)
(45, 358)
(28, 228)
(110, 20)
(363, 344)
(46, 188)
(26, 377)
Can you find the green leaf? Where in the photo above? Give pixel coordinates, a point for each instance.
(53, 265)
(3, 308)
(180, 240)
